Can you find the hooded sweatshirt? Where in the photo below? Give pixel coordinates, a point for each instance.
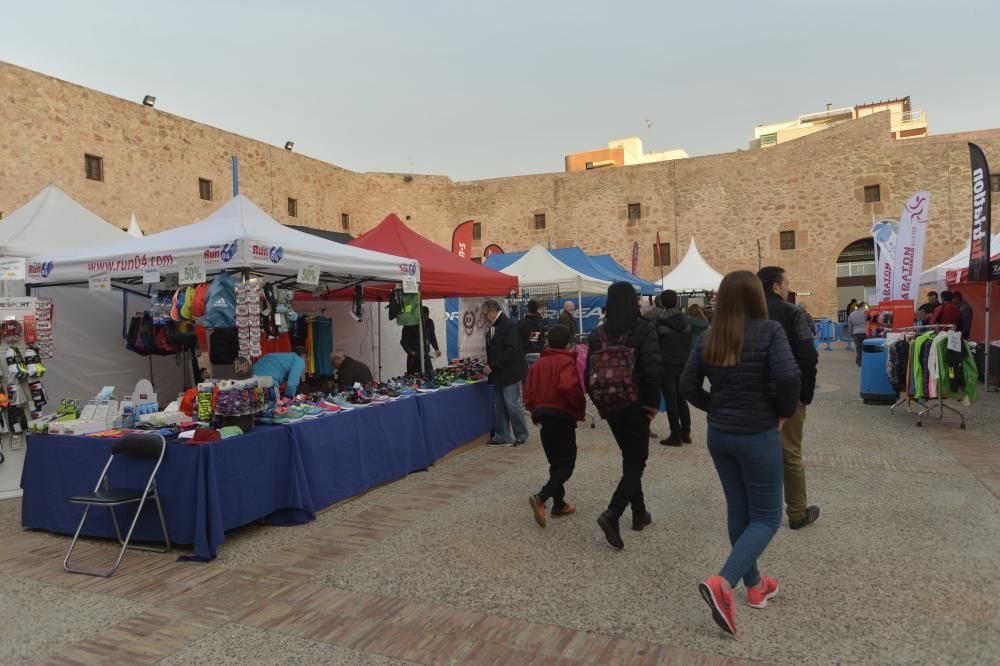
(673, 328)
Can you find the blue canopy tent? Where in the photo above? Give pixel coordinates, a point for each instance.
(498, 262)
(612, 267)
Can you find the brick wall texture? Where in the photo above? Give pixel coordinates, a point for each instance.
(727, 202)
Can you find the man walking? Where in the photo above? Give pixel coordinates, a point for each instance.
(506, 368)
(776, 288)
(673, 329)
(858, 324)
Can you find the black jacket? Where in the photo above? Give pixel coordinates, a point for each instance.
(503, 352)
(351, 371)
(673, 329)
(749, 397)
(800, 337)
(532, 329)
(643, 339)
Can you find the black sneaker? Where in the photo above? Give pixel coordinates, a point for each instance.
(686, 436)
(812, 513)
(521, 442)
(609, 523)
(497, 444)
(673, 440)
(639, 522)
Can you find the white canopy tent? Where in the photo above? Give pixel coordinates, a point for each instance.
(237, 235)
(88, 336)
(935, 277)
(692, 274)
(539, 267)
(134, 229)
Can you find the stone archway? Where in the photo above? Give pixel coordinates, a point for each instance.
(856, 272)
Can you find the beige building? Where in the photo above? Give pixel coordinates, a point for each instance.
(904, 121)
(806, 204)
(620, 152)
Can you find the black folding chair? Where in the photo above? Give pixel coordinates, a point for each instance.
(132, 446)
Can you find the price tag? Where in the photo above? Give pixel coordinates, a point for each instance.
(308, 274)
(100, 282)
(12, 268)
(192, 272)
(150, 275)
(954, 341)
(410, 285)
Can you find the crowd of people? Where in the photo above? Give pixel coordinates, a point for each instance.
(760, 362)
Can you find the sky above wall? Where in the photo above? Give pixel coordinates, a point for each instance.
(483, 90)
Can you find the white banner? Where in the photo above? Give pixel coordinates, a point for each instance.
(885, 233)
(472, 328)
(909, 260)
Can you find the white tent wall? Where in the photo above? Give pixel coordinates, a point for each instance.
(360, 339)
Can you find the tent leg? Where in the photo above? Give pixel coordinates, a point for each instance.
(579, 310)
(379, 317)
(423, 356)
(986, 354)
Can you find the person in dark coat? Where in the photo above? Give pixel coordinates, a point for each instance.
(532, 329)
(629, 427)
(755, 385)
(965, 323)
(566, 317)
(800, 338)
(673, 330)
(349, 370)
(506, 368)
(410, 342)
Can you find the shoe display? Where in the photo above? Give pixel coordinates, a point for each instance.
(641, 522)
(720, 600)
(758, 595)
(812, 513)
(537, 509)
(609, 524)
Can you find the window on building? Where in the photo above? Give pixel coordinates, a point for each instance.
(94, 166)
(477, 231)
(589, 165)
(995, 183)
(769, 139)
(293, 207)
(661, 254)
(539, 221)
(205, 189)
(787, 240)
(345, 221)
(634, 212)
(873, 193)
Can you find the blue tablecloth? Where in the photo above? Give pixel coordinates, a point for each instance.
(279, 474)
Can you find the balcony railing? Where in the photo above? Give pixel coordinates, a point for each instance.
(904, 117)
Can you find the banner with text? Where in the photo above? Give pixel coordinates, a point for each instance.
(979, 250)
(885, 234)
(908, 262)
(461, 240)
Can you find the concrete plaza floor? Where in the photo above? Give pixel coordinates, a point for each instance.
(447, 566)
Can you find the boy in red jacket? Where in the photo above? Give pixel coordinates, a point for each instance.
(554, 396)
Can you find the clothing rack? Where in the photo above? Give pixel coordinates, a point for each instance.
(907, 399)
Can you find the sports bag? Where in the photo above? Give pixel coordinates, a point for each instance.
(220, 304)
(614, 379)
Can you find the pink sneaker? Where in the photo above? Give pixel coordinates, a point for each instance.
(720, 601)
(758, 595)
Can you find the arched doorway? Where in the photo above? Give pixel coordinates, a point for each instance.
(856, 272)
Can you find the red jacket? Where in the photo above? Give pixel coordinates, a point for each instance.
(554, 384)
(947, 313)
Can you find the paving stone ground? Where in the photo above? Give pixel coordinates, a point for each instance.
(447, 566)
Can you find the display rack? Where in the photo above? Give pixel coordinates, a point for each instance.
(925, 408)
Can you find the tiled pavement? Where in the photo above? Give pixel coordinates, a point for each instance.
(269, 597)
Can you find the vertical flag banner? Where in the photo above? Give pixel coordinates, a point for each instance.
(635, 258)
(461, 240)
(885, 232)
(909, 260)
(492, 249)
(979, 251)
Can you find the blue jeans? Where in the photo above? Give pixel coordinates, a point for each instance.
(751, 471)
(507, 412)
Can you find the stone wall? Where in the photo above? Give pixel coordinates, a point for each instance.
(728, 202)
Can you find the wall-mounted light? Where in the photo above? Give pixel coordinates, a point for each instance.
(149, 101)
(289, 145)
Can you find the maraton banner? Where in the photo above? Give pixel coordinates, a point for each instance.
(885, 233)
(908, 262)
(979, 251)
(461, 240)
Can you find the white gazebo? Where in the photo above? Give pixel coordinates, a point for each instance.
(934, 278)
(692, 274)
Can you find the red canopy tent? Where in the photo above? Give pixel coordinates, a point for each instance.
(974, 293)
(442, 273)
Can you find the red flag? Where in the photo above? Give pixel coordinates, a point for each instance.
(461, 240)
(492, 249)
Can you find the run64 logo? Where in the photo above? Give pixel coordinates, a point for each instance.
(229, 251)
(273, 254)
(408, 269)
(43, 269)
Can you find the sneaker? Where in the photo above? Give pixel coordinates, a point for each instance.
(609, 524)
(521, 442)
(720, 601)
(538, 509)
(812, 513)
(331, 407)
(652, 435)
(673, 440)
(640, 522)
(563, 510)
(340, 401)
(497, 444)
(686, 436)
(758, 595)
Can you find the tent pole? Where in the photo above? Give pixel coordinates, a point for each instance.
(423, 356)
(579, 310)
(986, 354)
(379, 313)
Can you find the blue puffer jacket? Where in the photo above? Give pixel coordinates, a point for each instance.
(750, 397)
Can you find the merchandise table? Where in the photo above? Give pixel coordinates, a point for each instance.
(279, 474)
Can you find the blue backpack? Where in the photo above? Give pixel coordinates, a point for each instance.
(220, 303)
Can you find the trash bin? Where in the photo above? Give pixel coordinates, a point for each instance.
(875, 386)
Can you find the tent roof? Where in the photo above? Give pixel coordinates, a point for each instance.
(692, 274)
(960, 274)
(498, 262)
(576, 258)
(612, 267)
(335, 236)
(539, 267)
(237, 235)
(442, 273)
(52, 222)
(937, 276)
